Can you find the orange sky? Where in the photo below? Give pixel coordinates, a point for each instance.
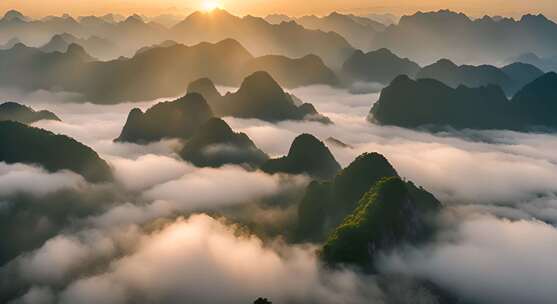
(513, 8)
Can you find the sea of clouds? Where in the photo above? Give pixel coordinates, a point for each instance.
(157, 235)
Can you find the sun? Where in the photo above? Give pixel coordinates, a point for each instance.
(209, 5)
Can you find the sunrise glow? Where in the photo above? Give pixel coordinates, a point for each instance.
(210, 5)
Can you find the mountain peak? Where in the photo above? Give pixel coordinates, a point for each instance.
(205, 87)
(261, 81)
(14, 15)
(539, 18)
(307, 155)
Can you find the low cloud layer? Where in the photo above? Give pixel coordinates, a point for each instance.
(496, 245)
(19, 178)
(488, 260)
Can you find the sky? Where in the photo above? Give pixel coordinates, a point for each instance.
(475, 8)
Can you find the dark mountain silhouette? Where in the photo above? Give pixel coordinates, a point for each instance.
(174, 119)
(510, 78)
(359, 31)
(16, 112)
(29, 69)
(259, 96)
(381, 66)
(291, 73)
(307, 155)
(547, 64)
(262, 38)
(19, 144)
(326, 204)
(207, 89)
(522, 73)
(409, 103)
(215, 144)
(445, 34)
(392, 212)
(538, 101)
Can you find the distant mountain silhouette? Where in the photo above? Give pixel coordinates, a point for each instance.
(96, 46)
(510, 78)
(381, 66)
(291, 73)
(547, 64)
(359, 31)
(392, 212)
(20, 144)
(16, 112)
(262, 38)
(409, 103)
(326, 204)
(277, 18)
(164, 44)
(153, 73)
(426, 37)
(307, 155)
(175, 119)
(215, 144)
(10, 44)
(386, 19)
(522, 74)
(207, 89)
(259, 96)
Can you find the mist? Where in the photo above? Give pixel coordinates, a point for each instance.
(158, 236)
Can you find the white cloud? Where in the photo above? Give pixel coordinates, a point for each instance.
(19, 178)
(488, 260)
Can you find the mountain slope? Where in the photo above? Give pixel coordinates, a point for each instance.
(392, 212)
(16, 112)
(326, 204)
(215, 144)
(19, 144)
(381, 66)
(174, 119)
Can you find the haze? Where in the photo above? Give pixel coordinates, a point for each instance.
(514, 8)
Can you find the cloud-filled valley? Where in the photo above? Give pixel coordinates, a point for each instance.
(306, 182)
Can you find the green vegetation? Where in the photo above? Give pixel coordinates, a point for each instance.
(23, 144)
(393, 211)
(326, 204)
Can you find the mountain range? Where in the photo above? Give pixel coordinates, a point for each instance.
(153, 73)
(262, 38)
(358, 31)
(17, 112)
(425, 37)
(427, 102)
(259, 96)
